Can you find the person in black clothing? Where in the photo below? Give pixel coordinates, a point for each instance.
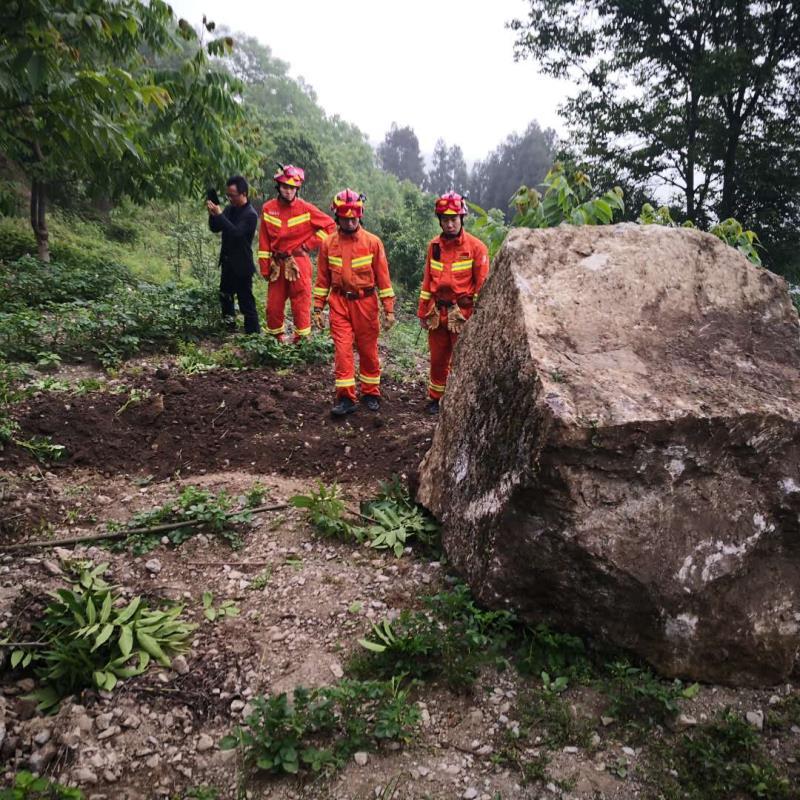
(237, 223)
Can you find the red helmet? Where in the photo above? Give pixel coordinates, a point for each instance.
(451, 203)
(292, 176)
(348, 204)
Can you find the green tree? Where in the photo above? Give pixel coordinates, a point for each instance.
(678, 95)
(520, 159)
(82, 94)
(399, 154)
(448, 170)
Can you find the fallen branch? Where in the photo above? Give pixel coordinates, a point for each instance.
(124, 534)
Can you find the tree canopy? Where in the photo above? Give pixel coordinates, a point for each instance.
(81, 93)
(684, 95)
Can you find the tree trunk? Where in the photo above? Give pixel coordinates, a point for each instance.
(727, 204)
(39, 219)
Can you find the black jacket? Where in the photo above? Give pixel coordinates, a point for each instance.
(238, 226)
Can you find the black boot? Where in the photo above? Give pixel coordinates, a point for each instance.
(343, 407)
(372, 402)
(433, 407)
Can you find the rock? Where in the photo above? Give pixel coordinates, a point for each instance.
(756, 719)
(180, 665)
(153, 566)
(204, 742)
(43, 737)
(40, 759)
(237, 705)
(103, 721)
(361, 758)
(52, 567)
(336, 669)
(630, 466)
(470, 794)
(685, 721)
(26, 684)
(85, 775)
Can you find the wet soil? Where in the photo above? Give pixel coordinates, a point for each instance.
(257, 420)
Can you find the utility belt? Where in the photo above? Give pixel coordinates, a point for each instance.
(465, 301)
(357, 295)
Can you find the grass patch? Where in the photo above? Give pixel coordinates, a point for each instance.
(320, 729)
(449, 640)
(718, 761)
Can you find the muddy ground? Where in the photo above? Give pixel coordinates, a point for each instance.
(157, 735)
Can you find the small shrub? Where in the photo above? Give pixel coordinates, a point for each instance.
(91, 638)
(639, 698)
(322, 728)
(721, 760)
(557, 654)
(452, 638)
(33, 787)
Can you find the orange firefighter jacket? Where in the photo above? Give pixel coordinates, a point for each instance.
(286, 227)
(353, 263)
(455, 269)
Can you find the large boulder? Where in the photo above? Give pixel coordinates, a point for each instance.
(619, 448)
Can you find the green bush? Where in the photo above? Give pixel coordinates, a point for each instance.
(450, 639)
(31, 787)
(29, 282)
(718, 761)
(91, 638)
(132, 319)
(322, 728)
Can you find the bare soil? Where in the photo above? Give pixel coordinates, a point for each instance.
(157, 736)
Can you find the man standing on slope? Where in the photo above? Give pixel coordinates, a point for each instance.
(352, 275)
(456, 267)
(237, 223)
(290, 229)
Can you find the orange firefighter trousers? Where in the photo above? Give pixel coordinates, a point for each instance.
(441, 342)
(299, 294)
(355, 322)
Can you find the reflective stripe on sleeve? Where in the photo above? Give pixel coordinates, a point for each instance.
(264, 254)
(322, 235)
(386, 292)
(423, 295)
(319, 291)
(292, 221)
(272, 220)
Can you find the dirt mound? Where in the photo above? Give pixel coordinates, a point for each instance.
(255, 420)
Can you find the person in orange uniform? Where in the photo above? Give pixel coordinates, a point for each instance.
(290, 229)
(456, 267)
(352, 276)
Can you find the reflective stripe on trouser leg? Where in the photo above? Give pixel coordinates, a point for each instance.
(300, 297)
(367, 327)
(277, 292)
(440, 342)
(343, 339)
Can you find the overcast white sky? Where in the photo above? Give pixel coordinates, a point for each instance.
(445, 68)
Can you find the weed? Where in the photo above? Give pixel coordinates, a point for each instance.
(322, 728)
(551, 717)
(451, 639)
(717, 761)
(33, 787)
(560, 655)
(639, 698)
(326, 510)
(86, 637)
(531, 765)
(135, 396)
(260, 580)
(394, 519)
(227, 608)
(784, 714)
(194, 361)
(192, 504)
